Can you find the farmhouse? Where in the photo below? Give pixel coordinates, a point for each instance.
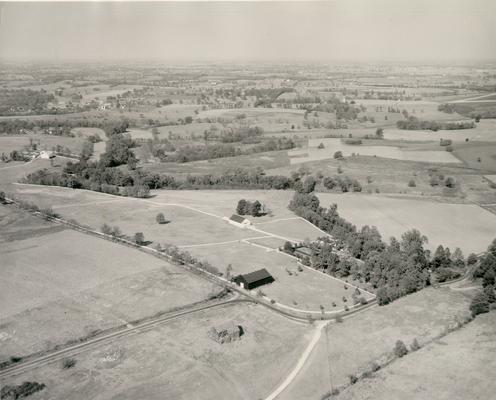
(45, 154)
(225, 333)
(239, 221)
(254, 279)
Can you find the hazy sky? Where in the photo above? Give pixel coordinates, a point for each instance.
(366, 30)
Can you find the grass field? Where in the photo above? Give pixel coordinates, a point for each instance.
(44, 142)
(471, 153)
(306, 289)
(58, 284)
(449, 368)
(350, 347)
(455, 225)
(179, 361)
(313, 153)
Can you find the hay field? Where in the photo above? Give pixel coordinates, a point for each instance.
(179, 361)
(306, 290)
(58, 284)
(455, 225)
(449, 368)
(354, 344)
(331, 145)
(478, 155)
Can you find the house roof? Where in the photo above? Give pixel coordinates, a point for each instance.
(257, 275)
(237, 218)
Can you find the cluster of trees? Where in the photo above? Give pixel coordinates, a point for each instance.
(395, 269)
(14, 155)
(245, 207)
(244, 134)
(469, 110)
(486, 270)
(189, 153)
(344, 183)
(413, 123)
(25, 389)
(183, 257)
(446, 266)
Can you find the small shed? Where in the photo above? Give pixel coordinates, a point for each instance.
(225, 333)
(254, 279)
(239, 220)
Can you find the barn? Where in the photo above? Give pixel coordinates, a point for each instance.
(254, 279)
(239, 221)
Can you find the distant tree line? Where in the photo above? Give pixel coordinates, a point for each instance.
(413, 123)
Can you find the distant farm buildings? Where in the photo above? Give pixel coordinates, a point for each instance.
(254, 279)
(225, 333)
(239, 221)
(46, 154)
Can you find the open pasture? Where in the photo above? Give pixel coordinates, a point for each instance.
(455, 225)
(178, 360)
(480, 156)
(350, 347)
(304, 290)
(331, 145)
(67, 284)
(44, 142)
(448, 368)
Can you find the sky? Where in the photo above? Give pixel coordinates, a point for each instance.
(340, 30)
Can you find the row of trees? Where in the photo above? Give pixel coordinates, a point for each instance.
(395, 269)
(413, 123)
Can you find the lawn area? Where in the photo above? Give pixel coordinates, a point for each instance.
(306, 289)
(179, 361)
(371, 335)
(478, 155)
(44, 142)
(58, 284)
(460, 366)
(455, 225)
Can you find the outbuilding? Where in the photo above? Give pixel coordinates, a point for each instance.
(46, 154)
(225, 333)
(238, 220)
(254, 279)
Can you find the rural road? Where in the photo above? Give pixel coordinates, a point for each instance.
(128, 330)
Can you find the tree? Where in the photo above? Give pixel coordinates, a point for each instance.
(338, 155)
(471, 259)
(228, 271)
(489, 278)
(242, 206)
(2, 197)
(160, 218)
(400, 349)
(288, 247)
(489, 292)
(415, 345)
(411, 183)
(379, 133)
(479, 304)
(256, 208)
(139, 238)
(320, 146)
(106, 229)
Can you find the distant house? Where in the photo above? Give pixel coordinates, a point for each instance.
(254, 279)
(46, 154)
(239, 221)
(225, 333)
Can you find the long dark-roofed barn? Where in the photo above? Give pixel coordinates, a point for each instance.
(254, 279)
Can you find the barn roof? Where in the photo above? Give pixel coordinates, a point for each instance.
(257, 275)
(237, 218)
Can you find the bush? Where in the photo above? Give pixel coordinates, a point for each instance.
(415, 345)
(160, 218)
(68, 363)
(338, 155)
(400, 349)
(353, 379)
(411, 183)
(479, 304)
(374, 367)
(139, 238)
(20, 391)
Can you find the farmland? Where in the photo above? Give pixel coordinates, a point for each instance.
(352, 346)
(434, 371)
(96, 290)
(194, 363)
(455, 225)
(142, 242)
